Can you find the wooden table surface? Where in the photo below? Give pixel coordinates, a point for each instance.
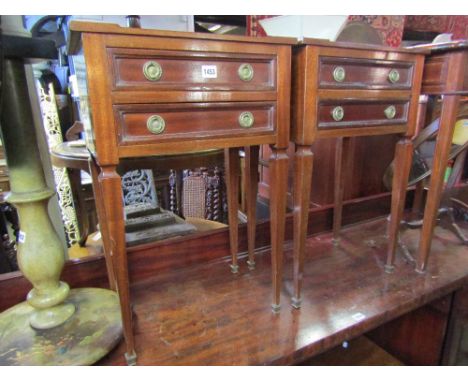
(207, 316)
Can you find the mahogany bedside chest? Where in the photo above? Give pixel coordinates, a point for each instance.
(155, 93)
(343, 90)
(445, 76)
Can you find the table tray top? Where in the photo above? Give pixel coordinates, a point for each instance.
(359, 46)
(442, 47)
(78, 27)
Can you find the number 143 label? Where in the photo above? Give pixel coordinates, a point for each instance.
(209, 71)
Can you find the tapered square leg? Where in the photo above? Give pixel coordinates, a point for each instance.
(403, 158)
(251, 190)
(443, 143)
(278, 188)
(111, 186)
(231, 162)
(98, 198)
(342, 161)
(303, 167)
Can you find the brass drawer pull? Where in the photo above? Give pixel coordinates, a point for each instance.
(156, 124)
(245, 72)
(339, 74)
(338, 113)
(246, 119)
(394, 76)
(390, 112)
(152, 70)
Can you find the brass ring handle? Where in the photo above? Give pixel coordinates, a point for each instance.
(394, 76)
(246, 119)
(156, 124)
(339, 74)
(338, 113)
(390, 112)
(152, 70)
(245, 72)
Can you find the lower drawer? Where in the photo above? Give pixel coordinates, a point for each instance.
(151, 123)
(361, 113)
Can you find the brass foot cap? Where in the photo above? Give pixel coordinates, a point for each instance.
(251, 265)
(389, 268)
(335, 241)
(131, 359)
(296, 302)
(234, 268)
(276, 308)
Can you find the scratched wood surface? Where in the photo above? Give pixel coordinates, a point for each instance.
(208, 316)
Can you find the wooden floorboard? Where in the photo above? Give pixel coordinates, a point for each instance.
(205, 315)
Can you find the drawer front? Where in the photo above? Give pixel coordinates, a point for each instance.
(435, 71)
(172, 70)
(172, 122)
(351, 73)
(348, 114)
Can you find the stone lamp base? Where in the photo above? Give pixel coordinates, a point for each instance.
(92, 331)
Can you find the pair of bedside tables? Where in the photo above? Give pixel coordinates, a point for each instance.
(154, 93)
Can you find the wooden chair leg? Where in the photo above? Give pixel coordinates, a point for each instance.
(80, 205)
(418, 199)
(303, 166)
(251, 190)
(231, 158)
(278, 188)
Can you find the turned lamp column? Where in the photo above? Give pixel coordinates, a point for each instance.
(56, 325)
(40, 253)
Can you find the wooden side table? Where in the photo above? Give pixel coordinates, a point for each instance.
(446, 76)
(157, 93)
(342, 90)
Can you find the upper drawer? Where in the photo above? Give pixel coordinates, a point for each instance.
(353, 73)
(188, 70)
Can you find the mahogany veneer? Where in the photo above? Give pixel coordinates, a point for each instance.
(179, 70)
(156, 93)
(348, 90)
(445, 75)
(206, 121)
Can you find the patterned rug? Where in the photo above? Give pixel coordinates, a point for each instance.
(458, 25)
(391, 28)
